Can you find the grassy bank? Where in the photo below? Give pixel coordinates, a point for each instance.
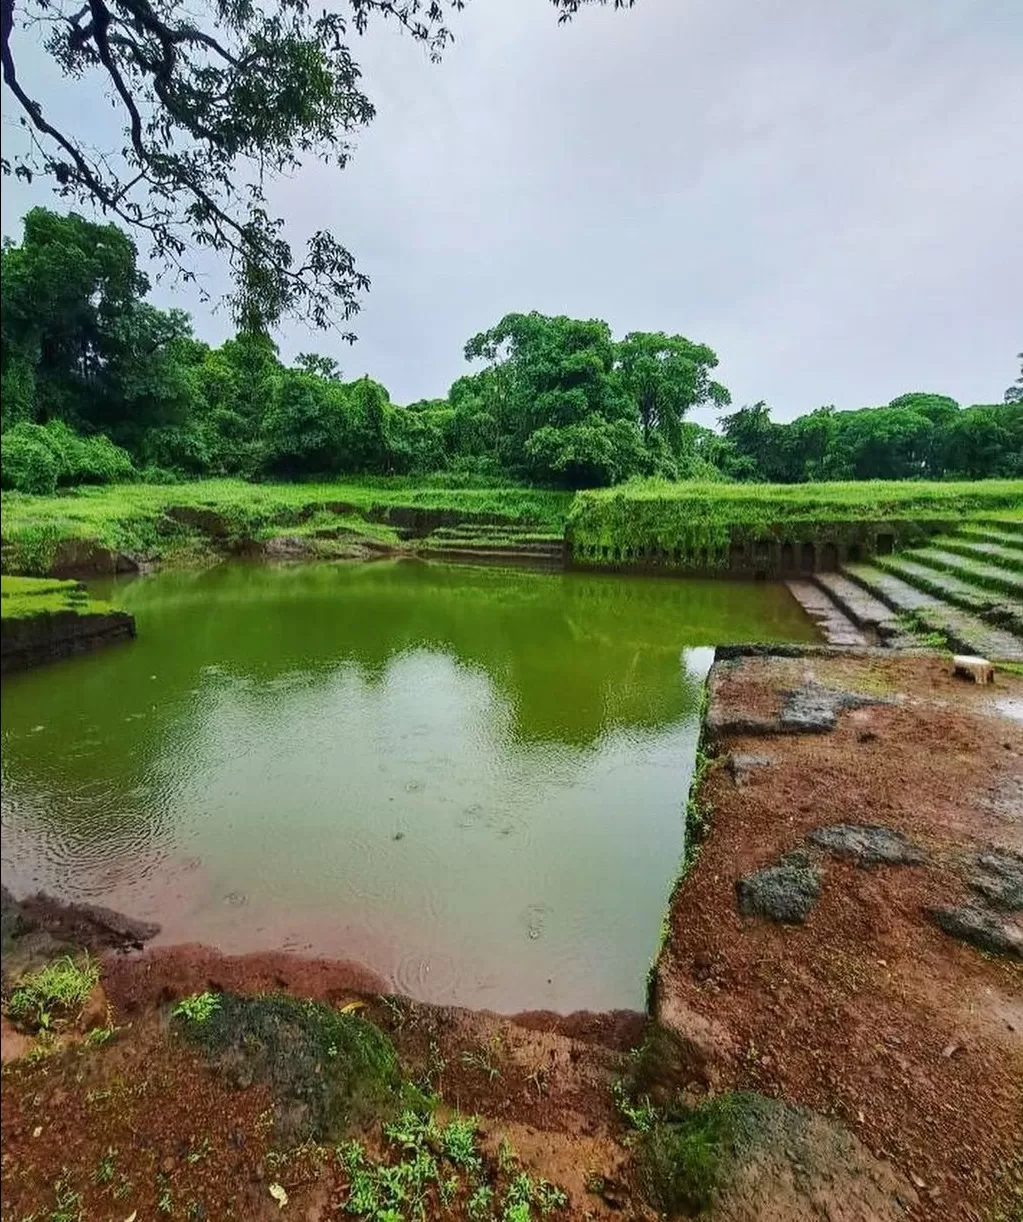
(24, 598)
(683, 526)
(147, 522)
(696, 525)
(42, 620)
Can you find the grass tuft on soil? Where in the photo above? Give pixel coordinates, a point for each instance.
(688, 1155)
(330, 1072)
(54, 993)
(428, 1170)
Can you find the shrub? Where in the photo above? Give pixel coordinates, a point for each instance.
(38, 457)
(27, 463)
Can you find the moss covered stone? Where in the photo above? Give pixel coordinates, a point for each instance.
(329, 1072)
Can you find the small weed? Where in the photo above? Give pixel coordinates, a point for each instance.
(539, 1079)
(67, 1203)
(448, 1189)
(518, 1199)
(46, 1044)
(411, 1131)
(478, 1206)
(483, 1060)
(639, 1114)
(54, 992)
(104, 1173)
(199, 1008)
(122, 1188)
(434, 1068)
(459, 1143)
(98, 1036)
(549, 1197)
(438, 1164)
(507, 1159)
(201, 1151)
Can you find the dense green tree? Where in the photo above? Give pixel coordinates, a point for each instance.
(63, 292)
(589, 453)
(665, 376)
(98, 385)
(321, 366)
(1014, 394)
(756, 440)
(545, 372)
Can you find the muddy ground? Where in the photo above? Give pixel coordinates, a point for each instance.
(906, 1042)
(866, 1011)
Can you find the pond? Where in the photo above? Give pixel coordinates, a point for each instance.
(470, 779)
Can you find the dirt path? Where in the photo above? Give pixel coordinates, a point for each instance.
(866, 1010)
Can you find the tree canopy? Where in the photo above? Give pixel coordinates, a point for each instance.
(98, 384)
(216, 99)
(1014, 394)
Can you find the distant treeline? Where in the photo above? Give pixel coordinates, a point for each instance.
(99, 385)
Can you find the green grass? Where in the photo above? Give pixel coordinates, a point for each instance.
(25, 597)
(199, 1008)
(54, 993)
(689, 523)
(426, 1170)
(693, 524)
(157, 521)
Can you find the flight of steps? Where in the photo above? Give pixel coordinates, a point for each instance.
(511, 543)
(967, 587)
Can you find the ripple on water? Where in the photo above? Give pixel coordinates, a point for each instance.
(428, 975)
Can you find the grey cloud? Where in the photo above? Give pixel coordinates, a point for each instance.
(826, 193)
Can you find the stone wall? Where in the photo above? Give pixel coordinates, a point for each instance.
(37, 639)
(784, 550)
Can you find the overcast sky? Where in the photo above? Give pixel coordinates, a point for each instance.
(828, 192)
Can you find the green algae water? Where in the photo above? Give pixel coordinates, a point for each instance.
(472, 780)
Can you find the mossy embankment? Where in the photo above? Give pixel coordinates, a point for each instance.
(129, 526)
(769, 529)
(737, 529)
(43, 619)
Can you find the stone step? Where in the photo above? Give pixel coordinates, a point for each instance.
(503, 555)
(871, 615)
(525, 546)
(834, 623)
(974, 572)
(983, 551)
(515, 529)
(992, 534)
(990, 605)
(1011, 524)
(962, 630)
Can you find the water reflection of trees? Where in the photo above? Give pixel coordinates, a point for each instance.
(571, 657)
